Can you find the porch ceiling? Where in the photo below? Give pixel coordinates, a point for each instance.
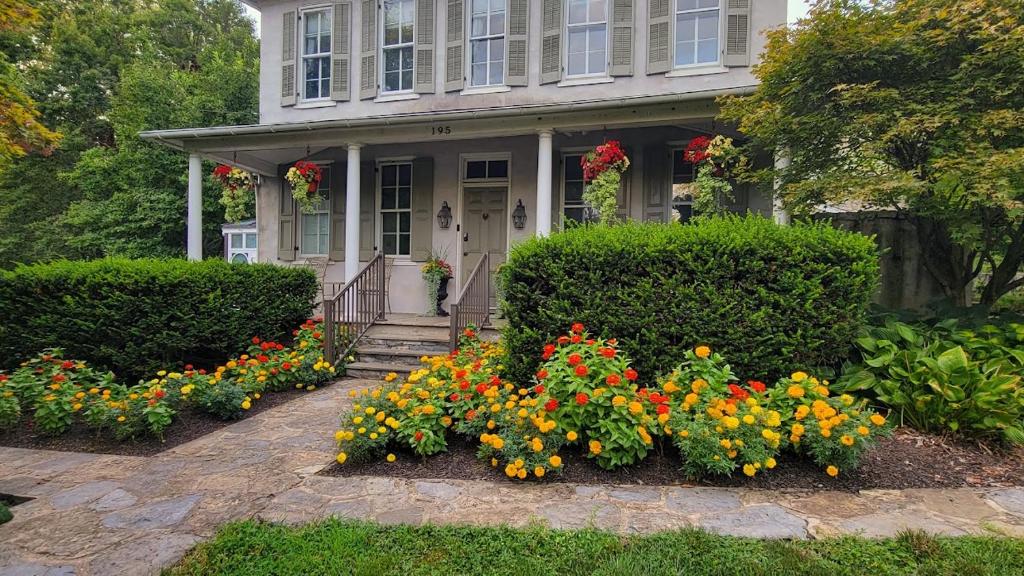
(263, 147)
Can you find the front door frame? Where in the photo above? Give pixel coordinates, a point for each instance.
(460, 203)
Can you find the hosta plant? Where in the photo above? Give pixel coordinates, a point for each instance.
(942, 380)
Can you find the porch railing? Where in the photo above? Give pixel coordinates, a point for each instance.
(473, 305)
(353, 310)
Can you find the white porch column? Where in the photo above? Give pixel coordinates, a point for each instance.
(194, 229)
(779, 214)
(352, 191)
(544, 153)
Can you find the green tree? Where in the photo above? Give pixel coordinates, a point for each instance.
(911, 105)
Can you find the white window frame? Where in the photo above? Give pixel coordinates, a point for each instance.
(251, 254)
(561, 211)
(675, 35)
(411, 45)
(488, 38)
(303, 14)
(325, 209)
(607, 41)
(381, 165)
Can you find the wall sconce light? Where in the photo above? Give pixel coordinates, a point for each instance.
(444, 216)
(519, 215)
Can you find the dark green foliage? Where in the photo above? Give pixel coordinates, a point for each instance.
(138, 316)
(5, 514)
(772, 299)
(224, 402)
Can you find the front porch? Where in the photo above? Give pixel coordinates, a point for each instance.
(452, 185)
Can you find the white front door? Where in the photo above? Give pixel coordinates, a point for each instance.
(484, 230)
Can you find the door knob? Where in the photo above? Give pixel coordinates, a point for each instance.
(465, 237)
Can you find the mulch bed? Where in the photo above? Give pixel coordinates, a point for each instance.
(907, 460)
(188, 425)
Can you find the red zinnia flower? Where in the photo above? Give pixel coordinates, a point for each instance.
(188, 366)
(581, 370)
(454, 397)
(551, 405)
(563, 339)
(538, 389)
(549, 349)
(575, 339)
(418, 436)
(67, 365)
(159, 393)
(631, 374)
(469, 333)
(287, 365)
(460, 373)
(582, 399)
(464, 385)
(613, 379)
(608, 352)
(662, 409)
(470, 415)
(255, 339)
(542, 374)
(577, 327)
(574, 359)
(481, 388)
(757, 385)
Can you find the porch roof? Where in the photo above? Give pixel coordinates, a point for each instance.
(262, 148)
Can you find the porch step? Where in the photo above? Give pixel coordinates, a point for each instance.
(395, 355)
(376, 370)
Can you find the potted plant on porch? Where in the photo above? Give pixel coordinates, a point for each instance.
(436, 272)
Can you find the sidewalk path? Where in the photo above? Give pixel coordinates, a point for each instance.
(100, 514)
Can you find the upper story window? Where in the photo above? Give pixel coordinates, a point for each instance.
(587, 27)
(316, 54)
(697, 32)
(397, 45)
(396, 208)
(487, 43)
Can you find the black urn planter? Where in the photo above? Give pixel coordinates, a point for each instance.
(442, 293)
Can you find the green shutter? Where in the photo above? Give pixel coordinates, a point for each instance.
(336, 181)
(423, 48)
(659, 36)
(551, 42)
(288, 45)
(422, 209)
(340, 54)
(622, 38)
(286, 224)
(367, 210)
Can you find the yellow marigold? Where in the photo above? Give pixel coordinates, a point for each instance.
(684, 433)
(702, 351)
(822, 390)
(795, 391)
(391, 457)
(555, 460)
(494, 462)
(690, 399)
(537, 445)
(618, 400)
(832, 471)
(121, 418)
(725, 443)
(798, 429)
(571, 436)
(595, 447)
(798, 376)
(877, 419)
(342, 457)
(731, 422)
(538, 471)
(846, 440)
(770, 463)
(636, 407)
(671, 387)
(521, 474)
(497, 443)
(749, 470)
(698, 385)
(339, 435)
(749, 419)
(863, 430)
(390, 377)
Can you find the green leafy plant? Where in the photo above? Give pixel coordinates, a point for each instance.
(10, 408)
(768, 297)
(942, 379)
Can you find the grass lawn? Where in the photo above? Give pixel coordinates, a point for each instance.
(342, 547)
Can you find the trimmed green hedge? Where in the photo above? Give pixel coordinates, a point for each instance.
(138, 316)
(770, 298)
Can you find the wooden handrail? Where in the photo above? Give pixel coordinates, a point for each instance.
(473, 305)
(351, 312)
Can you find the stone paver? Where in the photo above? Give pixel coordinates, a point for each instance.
(100, 514)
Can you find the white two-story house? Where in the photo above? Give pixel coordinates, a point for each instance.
(477, 109)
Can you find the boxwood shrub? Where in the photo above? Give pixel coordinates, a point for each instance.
(138, 316)
(770, 298)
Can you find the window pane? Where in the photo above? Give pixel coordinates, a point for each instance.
(406, 32)
(236, 240)
(479, 74)
(707, 3)
(407, 80)
(595, 62)
(573, 170)
(403, 197)
(325, 43)
(497, 5)
(389, 175)
(403, 222)
(479, 51)
(390, 222)
(577, 41)
(250, 241)
(575, 214)
(577, 64)
(707, 26)
(577, 11)
(479, 26)
(404, 174)
(497, 23)
(239, 259)
(480, 6)
(390, 244)
(312, 23)
(323, 224)
(311, 89)
(685, 5)
(387, 197)
(392, 81)
(390, 35)
(310, 45)
(598, 11)
(407, 58)
(497, 73)
(573, 192)
(476, 169)
(391, 60)
(497, 50)
(497, 169)
(707, 51)
(403, 245)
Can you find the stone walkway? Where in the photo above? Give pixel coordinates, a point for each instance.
(100, 514)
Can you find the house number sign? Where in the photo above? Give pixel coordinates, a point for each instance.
(440, 130)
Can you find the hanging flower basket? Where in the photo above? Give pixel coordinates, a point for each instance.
(603, 168)
(304, 178)
(236, 191)
(713, 159)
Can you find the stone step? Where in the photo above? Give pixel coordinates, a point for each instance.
(394, 355)
(375, 371)
(407, 333)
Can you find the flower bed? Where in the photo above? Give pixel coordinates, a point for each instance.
(585, 397)
(52, 395)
